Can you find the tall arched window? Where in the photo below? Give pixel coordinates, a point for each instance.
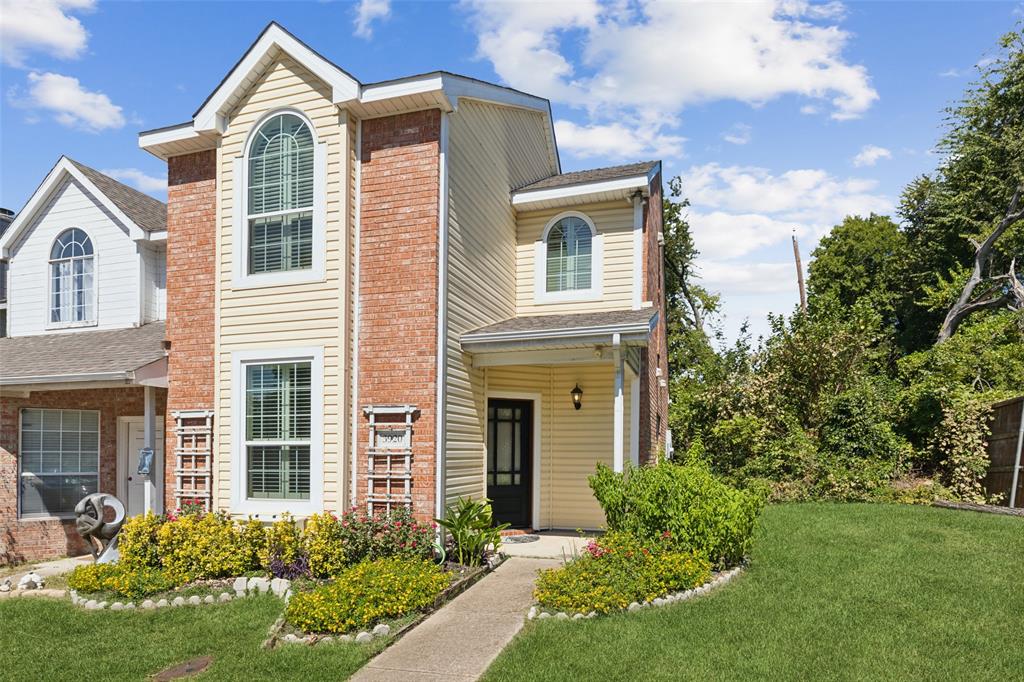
(72, 278)
(280, 196)
(569, 255)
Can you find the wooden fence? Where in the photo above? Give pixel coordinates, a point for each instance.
(1004, 451)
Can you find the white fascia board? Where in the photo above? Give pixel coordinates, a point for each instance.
(580, 191)
(548, 334)
(41, 195)
(183, 132)
(155, 236)
(343, 87)
(64, 378)
(405, 87)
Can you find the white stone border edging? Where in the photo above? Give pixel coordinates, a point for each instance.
(537, 613)
(242, 587)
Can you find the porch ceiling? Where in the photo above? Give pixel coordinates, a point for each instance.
(84, 356)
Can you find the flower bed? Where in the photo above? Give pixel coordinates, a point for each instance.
(617, 570)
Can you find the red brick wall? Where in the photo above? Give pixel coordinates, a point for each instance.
(191, 277)
(654, 398)
(398, 264)
(31, 540)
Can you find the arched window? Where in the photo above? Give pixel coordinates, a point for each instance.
(569, 257)
(72, 278)
(279, 198)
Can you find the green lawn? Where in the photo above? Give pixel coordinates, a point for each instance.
(47, 639)
(834, 592)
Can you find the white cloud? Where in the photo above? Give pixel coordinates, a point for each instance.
(950, 73)
(740, 133)
(723, 235)
(870, 154)
(71, 104)
(738, 279)
(811, 197)
(751, 52)
(44, 26)
(616, 141)
(139, 179)
(368, 12)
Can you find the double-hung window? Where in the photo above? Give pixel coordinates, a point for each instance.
(281, 203)
(72, 279)
(60, 459)
(278, 421)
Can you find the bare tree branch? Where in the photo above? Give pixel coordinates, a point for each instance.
(982, 257)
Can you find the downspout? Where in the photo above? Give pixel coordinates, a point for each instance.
(354, 379)
(442, 316)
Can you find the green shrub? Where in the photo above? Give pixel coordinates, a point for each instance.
(137, 541)
(253, 542)
(395, 534)
(472, 529)
(368, 593)
(322, 537)
(686, 503)
(121, 580)
(616, 570)
(208, 546)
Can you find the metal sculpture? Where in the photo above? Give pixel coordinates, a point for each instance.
(100, 535)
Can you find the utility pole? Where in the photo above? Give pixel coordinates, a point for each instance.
(799, 274)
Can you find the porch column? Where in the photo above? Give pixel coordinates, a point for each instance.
(149, 428)
(619, 411)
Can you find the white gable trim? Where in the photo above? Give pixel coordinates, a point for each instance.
(42, 194)
(343, 87)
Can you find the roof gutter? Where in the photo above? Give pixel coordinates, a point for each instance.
(625, 330)
(66, 378)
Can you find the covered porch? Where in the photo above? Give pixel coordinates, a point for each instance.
(561, 394)
(75, 411)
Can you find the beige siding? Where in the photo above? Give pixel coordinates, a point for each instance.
(572, 442)
(311, 314)
(613, 220)
(491, 150)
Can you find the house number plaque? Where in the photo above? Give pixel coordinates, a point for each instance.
(392, 439)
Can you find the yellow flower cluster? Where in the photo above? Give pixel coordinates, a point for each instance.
(368, 593)
(616, 571)
(124, 581)
(208, 546)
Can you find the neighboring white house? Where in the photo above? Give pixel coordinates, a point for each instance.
(83, 370)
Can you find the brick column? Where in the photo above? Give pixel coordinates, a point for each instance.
(191, 281)
(653, 398)
(398, 265)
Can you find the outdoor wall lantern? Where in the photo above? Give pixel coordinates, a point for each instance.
(577, 397)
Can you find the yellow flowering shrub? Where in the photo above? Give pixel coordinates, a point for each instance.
(137, 542)
(284, 542)
(208, 546)
(616, 570)
(123, 581)
(322, 537)
(253, 538)
(368, 593)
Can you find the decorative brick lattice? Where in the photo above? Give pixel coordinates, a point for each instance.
(389, 457)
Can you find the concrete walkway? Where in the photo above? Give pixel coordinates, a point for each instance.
(463, 637)
(550, 544)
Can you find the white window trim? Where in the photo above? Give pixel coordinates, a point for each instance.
(47, 322)
(99, 463)
(264, 508)
(541, 294)
(241, 279)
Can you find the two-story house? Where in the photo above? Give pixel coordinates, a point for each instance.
(389, 293)
(83, 368)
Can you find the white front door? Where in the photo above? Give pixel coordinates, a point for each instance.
(131, 488)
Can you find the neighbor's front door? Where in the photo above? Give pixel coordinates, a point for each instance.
(131, 439)
(509, 457)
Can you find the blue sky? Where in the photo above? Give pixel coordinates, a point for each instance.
(780, 116)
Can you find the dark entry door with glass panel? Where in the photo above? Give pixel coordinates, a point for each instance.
(509, 455)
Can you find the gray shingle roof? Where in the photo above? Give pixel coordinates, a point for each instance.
(23, 358)
(593, 175)
(566, 322)
(148, 213)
